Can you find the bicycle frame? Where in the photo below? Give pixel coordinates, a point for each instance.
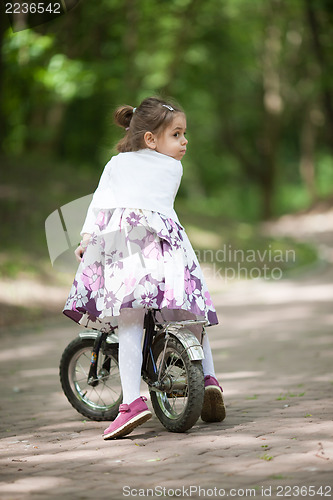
(153, 330)
(170, 329)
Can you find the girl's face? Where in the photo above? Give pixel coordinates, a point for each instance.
(172, 141)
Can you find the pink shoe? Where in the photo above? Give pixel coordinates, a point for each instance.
(213, 409)
(130, 416)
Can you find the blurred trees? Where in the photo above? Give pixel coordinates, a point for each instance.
(255, 79)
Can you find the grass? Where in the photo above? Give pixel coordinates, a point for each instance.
(290, 395)
(279, 476)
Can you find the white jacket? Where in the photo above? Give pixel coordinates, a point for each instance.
(141, 179)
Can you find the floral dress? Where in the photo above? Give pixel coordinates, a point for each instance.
(138, 259)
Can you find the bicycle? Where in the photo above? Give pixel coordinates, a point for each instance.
(171, 367)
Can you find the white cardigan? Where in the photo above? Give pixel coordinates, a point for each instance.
(141, 179)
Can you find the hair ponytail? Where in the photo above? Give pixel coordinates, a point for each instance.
(153, 115)
(123, 116)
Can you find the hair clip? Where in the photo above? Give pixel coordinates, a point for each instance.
(167, 106)
(134, 109)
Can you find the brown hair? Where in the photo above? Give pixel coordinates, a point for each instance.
(153, 115)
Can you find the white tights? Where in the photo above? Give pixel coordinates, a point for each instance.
(130, 331)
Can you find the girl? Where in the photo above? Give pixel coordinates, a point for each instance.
(134, 254)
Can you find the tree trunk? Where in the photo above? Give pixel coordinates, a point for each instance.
(189, 17)
(307, 162)
(131, 41)
(3, 128)
(261, 167)
(321, 55)
(268, 142)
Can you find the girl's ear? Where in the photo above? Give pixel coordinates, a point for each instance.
(149, 139)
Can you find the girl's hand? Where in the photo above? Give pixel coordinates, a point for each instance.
(79, 251)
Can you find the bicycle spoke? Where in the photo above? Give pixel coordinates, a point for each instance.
(106, 392)
(82, 369)
(99, 396)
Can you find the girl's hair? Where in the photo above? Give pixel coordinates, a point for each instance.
(153, 115)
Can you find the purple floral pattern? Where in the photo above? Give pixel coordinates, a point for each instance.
(138, 259)
(92, 277)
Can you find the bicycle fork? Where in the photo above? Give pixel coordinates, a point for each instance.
(93, 378)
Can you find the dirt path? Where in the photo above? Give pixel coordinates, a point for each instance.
(273, 352)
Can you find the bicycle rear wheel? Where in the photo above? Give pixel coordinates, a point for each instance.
(178, 406)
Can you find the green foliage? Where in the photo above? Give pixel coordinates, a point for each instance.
(255, 79)
(66, 78)
(325, 173)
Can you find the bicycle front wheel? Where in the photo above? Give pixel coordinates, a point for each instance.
(178, 406)
(101, 400)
